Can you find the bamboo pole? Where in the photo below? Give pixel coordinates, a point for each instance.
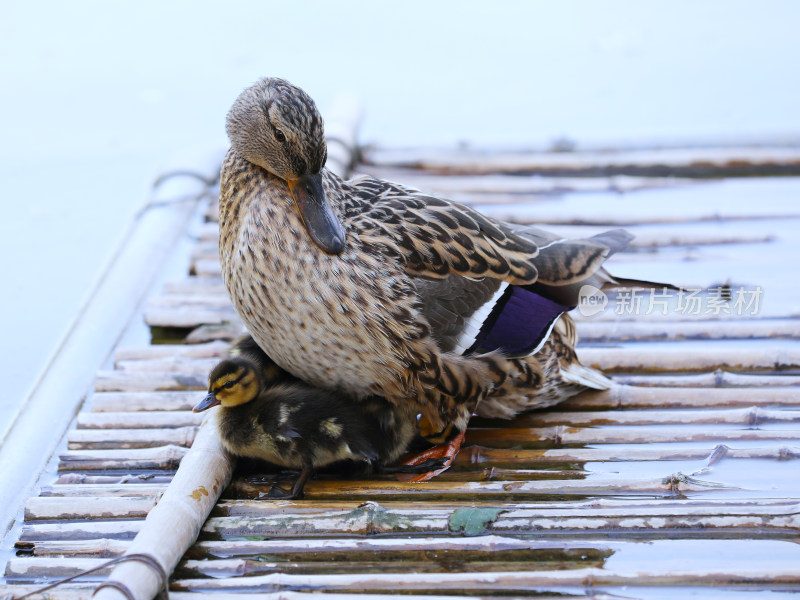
(203, 474)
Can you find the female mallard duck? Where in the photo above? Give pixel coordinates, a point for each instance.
(267, 413)
(423, 301)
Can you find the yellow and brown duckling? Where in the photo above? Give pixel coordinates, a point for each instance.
(412, 297)
(268, 414)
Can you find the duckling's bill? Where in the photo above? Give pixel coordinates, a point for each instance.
(206, 403)
(317, 213)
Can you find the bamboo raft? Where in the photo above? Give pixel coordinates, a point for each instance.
(684, 477)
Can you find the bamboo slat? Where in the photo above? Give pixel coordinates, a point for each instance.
(780, 355)
(96, 439)
(671, 162)
(142, 401)
(510, 582)
(655, 330)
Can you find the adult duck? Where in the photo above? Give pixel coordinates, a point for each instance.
(369, 287)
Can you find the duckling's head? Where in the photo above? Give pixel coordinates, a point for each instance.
(277, 126)
(232, 382)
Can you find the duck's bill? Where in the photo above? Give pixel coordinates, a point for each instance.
(317, 213)
(206, 403)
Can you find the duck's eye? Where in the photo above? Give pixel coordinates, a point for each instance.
(279, 135)
(229, 385)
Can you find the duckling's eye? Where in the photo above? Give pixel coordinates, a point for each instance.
(229, 385)
(279, 135)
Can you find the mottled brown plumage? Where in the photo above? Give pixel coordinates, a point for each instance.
(383, 300)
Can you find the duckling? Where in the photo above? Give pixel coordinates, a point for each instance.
(268, 414)
(415, 298)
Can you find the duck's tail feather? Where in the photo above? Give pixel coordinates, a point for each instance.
(578, 374)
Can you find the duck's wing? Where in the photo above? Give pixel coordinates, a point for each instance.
(435, 237)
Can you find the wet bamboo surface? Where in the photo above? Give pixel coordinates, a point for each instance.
(683, 478)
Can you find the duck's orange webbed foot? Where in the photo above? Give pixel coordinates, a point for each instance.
(444, 453)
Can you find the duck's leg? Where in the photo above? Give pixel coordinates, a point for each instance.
(444, 453)
(278, 493)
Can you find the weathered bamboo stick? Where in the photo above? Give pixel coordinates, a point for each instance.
(657, 330)
(238, 567)
(83, 507)
(89, 530)
(103, 490)
(568, 434)
(183, 317)
(164, 457)
(141, 420)
(655, 162)
(97, 439)
(498, 581)
(750, 416)
(629, 397)
(336, 548)
(443, 489)
(203, 474)
(195, 285)
(386, 511)
(718, 378)
(206, 268)
(101, 548)
(679, 358)
(515, 184)
(154, 478)
(83, 591)
(499, 456)
(120, 381)
(208, 333)
(171, 351)
(568, 521)
(127, 402)
(168, 365)
(53, 568)
(208, 301)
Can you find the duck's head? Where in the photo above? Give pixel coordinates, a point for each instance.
(277, 126)
(232, 382)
